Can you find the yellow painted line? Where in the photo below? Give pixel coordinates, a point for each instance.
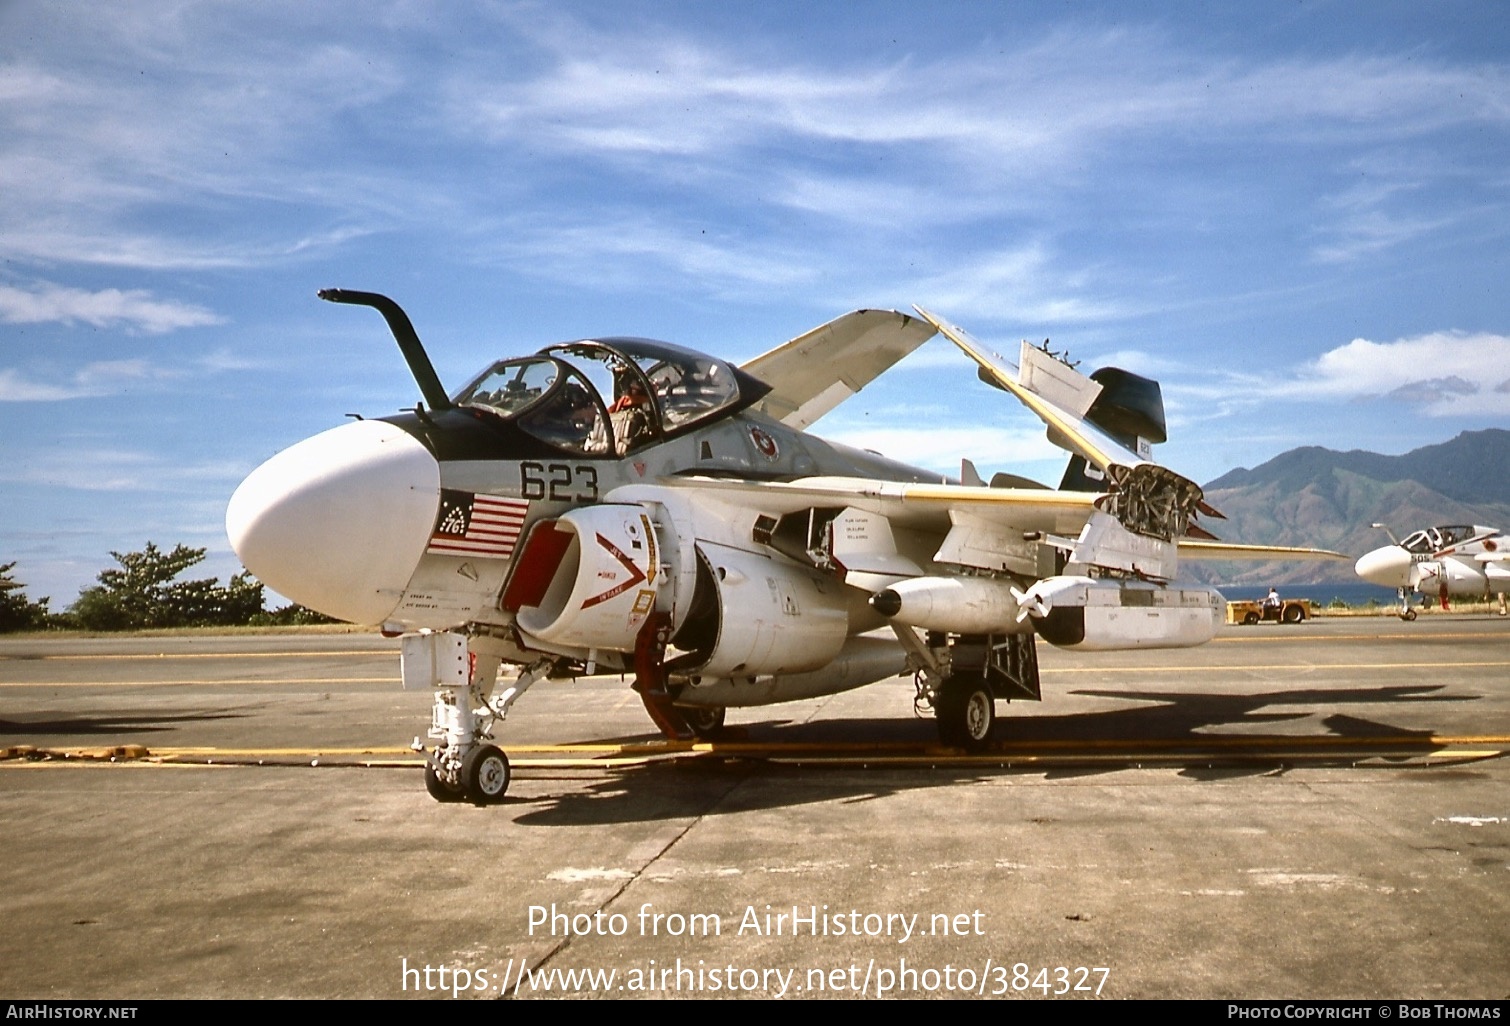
(1302, 740)
(200, 655)
(312, 753)
(1217, 667)
(1124, 754)
(191, 683)
(598, 751)
(1045, 670)
(1312, 638)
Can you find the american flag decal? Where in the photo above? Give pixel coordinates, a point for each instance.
(477, 525)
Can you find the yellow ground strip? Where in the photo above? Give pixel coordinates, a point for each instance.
(606, 753)
(1315, 638)
(1437, 664)
(1047, 671)
(1044, 671)
(258, 681)
(155, 656)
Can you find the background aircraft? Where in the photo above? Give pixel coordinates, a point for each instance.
(1460, 561)
(625, 505)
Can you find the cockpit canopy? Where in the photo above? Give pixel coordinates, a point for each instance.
(1435, 539)
(611, 396)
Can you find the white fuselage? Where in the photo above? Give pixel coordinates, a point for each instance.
(1442, 562)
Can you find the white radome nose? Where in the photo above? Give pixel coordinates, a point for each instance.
(339, 521)
(1388, 565)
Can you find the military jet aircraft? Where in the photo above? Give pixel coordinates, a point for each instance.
(625, 505)
(1463, 561)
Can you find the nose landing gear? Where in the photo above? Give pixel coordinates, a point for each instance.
(1406, 612)
(464, 766)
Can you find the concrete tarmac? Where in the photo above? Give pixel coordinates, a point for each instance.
(1318, 811)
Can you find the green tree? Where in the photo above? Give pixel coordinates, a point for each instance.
(292, 615)
(143, 592)
(17, 612)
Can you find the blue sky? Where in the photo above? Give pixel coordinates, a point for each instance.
(1295, 215)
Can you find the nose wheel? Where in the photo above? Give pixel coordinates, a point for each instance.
(463, 766)
(485, 775)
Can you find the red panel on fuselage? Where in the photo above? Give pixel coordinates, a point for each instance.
(536, 566)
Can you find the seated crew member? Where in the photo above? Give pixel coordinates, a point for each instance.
(630, 414)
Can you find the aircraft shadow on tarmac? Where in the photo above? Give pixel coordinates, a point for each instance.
(1159, 716)
(1183, 714)
(712, 785)
(69, 726)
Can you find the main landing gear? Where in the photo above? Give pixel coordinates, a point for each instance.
(960, 677)
(966, 712)
(677, 722)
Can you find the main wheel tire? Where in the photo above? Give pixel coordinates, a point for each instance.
(437, 786)
(1250, 619)
(1294, 614)
(706, 721)
(966, 713)
(485, 774)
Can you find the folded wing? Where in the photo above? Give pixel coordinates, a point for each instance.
(815, 372)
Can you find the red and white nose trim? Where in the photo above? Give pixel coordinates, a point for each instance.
(339, 521)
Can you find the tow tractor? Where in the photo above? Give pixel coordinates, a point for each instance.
(1253, 611)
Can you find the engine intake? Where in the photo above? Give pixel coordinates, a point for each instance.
(588, 578)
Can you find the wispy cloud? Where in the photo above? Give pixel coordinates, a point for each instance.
(670, 93)
(113, 469)
(100, 378)
(1440, 374)
(623, 249)
(93, 380)
(654, 118)
(1022, 285)
(135, 309)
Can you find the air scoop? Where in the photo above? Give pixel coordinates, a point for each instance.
(339, 521)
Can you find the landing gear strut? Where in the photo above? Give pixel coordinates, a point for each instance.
(650, 678)
(463, 766)
(960, 677)
(1406, 612)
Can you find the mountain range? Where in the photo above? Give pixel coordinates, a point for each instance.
(1318, 497)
